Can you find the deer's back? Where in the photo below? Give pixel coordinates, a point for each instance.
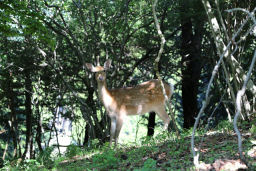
(141, 98)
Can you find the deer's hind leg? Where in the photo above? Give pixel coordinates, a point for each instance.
(161, 112)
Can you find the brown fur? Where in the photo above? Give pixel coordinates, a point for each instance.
(143, 98)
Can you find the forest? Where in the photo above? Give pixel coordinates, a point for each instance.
(66, 64)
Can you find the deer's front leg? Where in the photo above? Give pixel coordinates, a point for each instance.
(118, 128)
(112, 129)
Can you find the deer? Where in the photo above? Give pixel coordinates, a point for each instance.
(121, 102)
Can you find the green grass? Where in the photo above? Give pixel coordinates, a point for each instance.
(162, 152)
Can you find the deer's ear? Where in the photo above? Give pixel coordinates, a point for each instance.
(107, 64)
(89, 66)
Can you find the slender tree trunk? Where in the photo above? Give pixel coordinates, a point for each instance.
(86, 135)
(31, 150)
(97, 127)
(191, 64)
(28, 109)
(152, 116)
(13, 119)
(5, 150)
(39, 128)
(57, 139)
(151, 123)
(236, 68)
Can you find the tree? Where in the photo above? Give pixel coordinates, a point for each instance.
(192, 61)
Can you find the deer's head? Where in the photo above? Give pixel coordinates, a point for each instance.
(100, 75)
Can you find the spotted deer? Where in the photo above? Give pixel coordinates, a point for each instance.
(143, 98)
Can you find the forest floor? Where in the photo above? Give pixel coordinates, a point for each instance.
(219, 151)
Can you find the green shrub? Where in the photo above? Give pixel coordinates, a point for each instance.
(106, 160)
(253, 130)
(44, 157)
(30, 164)
(72, 151)
(149, 164)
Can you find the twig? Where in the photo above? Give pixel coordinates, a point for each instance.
(74, 93)
(251, 14)
(241, 92)
(209, 119)
(59, 145)
(207, 97)
(157, 62)
(238, 106)
(2, 131)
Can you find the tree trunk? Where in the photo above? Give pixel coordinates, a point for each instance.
(151, 124)
(39, 129)
(86, 135)
(28, 90)
(191, 64)
(13, 119)
(96, 128)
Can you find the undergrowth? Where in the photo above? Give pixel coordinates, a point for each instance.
(164, 152)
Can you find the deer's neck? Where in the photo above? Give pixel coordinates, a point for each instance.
(104, 94)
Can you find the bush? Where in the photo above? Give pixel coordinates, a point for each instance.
(149, 164)
(44, 157)
(106, 160)
(72, 151)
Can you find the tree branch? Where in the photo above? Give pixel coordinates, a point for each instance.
(207, 97)
(157, 63)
